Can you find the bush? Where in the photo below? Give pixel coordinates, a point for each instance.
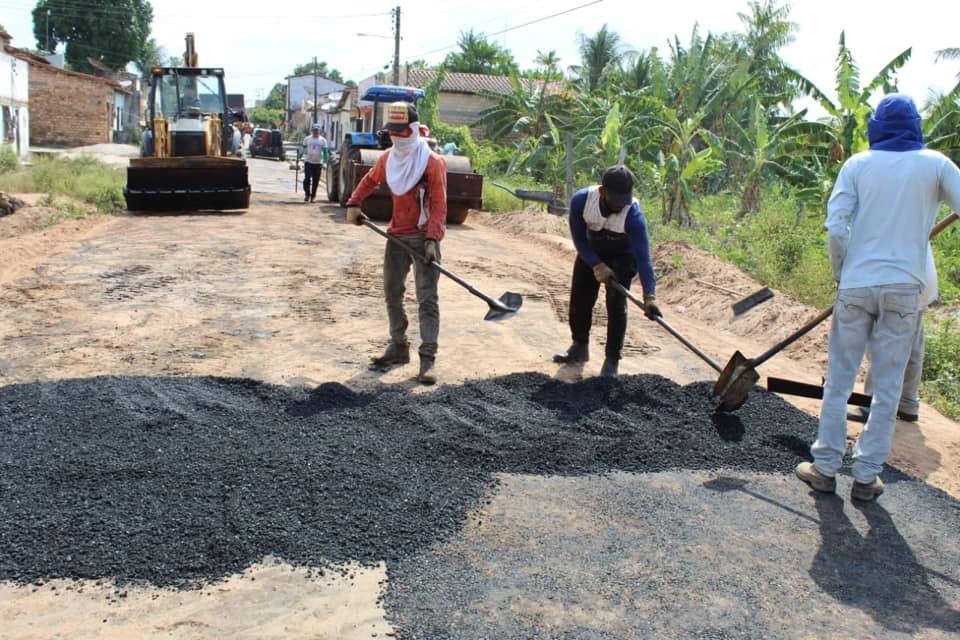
(8, 159)
(84, 178)
(941, 367)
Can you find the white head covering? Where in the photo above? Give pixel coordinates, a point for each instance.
(407, 160)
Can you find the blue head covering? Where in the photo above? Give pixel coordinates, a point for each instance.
(895, 125)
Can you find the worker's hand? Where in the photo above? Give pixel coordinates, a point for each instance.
(431, 251)
(650, 308)
(355, 215)
(602, 272)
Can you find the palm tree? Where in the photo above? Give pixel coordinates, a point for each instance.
(768, 29)
(599, 54)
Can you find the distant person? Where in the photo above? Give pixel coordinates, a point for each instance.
(417, 178)
(610, 234)
(909, 408)
(237, 142)
(879, 216)
(314, 152)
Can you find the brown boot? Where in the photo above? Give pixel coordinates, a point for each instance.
(395, 354)
(427, 374)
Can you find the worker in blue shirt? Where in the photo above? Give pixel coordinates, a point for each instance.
(610, 235)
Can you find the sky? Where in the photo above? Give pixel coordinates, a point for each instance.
(258, 48)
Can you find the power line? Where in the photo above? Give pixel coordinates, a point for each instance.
(513, 28)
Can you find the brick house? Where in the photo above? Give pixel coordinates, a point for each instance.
(73, 109)
(14, 99)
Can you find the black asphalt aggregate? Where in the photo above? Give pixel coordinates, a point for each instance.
(179, 481)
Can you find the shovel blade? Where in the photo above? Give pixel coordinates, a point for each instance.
(734, 383)
(508, 305)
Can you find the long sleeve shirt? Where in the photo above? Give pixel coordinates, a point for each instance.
(880, 213)
(406, 207)
(635, 227)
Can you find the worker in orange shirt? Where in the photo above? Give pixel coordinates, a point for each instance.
(417, 178)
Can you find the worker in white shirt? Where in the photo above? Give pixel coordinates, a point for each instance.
(879, 216)
(314, 151)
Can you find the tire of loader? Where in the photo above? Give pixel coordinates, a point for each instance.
(351, 155)
(333, 181)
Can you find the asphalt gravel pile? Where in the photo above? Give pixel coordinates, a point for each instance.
(177, 481)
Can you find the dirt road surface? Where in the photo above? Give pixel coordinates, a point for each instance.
(289, 294)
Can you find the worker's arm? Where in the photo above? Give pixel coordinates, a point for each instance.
(374, 177)
(578, 229)
(437, 193)
(841, 208)
(636, 228)
(950, 186)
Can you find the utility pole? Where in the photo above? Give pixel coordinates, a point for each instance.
(315, 90)
(396, 46)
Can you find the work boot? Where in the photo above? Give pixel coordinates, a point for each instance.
(427, 375)
(807, 472)
(609, 368)
(395, 354)
(577, 352)
(306, 198)
(866, 491)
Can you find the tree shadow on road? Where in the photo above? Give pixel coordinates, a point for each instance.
(858, 570)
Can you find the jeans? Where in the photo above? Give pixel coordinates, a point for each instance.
(910, 395)
(882, 319)
(311, 178)
(396, 266)
(584, 290)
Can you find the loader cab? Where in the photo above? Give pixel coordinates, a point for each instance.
(186, 98)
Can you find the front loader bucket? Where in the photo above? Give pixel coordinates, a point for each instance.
(187, 184)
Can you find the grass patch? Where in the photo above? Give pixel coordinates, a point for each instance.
(8, 159)
(497, 200)
(84, 178)
(941, 366)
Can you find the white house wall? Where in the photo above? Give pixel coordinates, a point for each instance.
(14, 98)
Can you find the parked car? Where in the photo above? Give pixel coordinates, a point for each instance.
(267, 143)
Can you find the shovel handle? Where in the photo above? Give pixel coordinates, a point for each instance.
(793, 337)
(663, 323)
(493, 302)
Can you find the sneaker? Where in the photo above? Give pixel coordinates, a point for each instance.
(866, 491)
(394, 354)
(609, 368)
(807, 472)
(577, 352)
(306, 198)
(427, 375)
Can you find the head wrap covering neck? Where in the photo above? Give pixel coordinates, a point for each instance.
(407, 161)
(895, 125)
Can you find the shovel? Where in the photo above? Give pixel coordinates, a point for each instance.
(508, 304)
(740, 374)
(663, 323)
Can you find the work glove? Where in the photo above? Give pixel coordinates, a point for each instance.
(650, 308)
(602, 272)
(355, 215)
(431, 251)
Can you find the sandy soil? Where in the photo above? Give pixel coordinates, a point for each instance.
(288, 293)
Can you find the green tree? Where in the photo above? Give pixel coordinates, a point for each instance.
(152, 55)
(599, 54)
(850, 111)
(271, 118)
(479, 55)
(111, 32)
(277, 98)
(776, 147)
(322, 70)
(768, 29)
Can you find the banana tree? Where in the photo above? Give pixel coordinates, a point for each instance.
(686, 155)
(782, 147)
(850, 111)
